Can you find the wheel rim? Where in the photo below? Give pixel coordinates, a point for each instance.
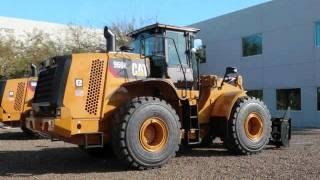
(254, 127)
(153, 134)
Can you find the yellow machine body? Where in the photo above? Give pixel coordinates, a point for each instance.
(93, 92)
(16, 99)
(146, 102)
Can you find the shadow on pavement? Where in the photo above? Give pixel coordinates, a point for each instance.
(216, 149)
(73, 160)
(56, 161)
(66, 160)
(9, 136)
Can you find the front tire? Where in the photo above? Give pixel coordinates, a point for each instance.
(249, 127)
(146, 133)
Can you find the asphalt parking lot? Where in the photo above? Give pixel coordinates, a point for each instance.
(29, 158)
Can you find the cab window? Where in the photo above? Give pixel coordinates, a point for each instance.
(148, 45)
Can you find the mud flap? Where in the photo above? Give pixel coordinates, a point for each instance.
(281, 131)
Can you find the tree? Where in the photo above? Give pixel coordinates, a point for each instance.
(7, 54)
(16, 55)
(79, 39)
(121, 29)
(36, 47)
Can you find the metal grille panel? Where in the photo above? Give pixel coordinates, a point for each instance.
(93, 95)
(18, 102)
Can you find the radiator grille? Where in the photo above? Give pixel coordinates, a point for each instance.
(19, 97)
(93, 95)
(44, 87)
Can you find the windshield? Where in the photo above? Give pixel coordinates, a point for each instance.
(154, 45)
(149, 45)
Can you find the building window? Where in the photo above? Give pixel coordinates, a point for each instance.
(318, 97)
(252, 45)
(255, 93)
(318, 34)
(289, 98)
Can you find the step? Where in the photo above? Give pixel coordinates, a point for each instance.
(90, 146)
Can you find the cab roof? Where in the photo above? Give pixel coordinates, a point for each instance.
(163, 26)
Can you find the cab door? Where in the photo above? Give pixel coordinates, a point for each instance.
(179, 69)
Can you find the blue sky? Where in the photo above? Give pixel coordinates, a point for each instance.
(97, 13)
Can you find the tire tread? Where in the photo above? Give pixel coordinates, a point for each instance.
(121, 120)
(232, 140)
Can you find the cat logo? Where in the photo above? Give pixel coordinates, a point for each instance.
(127, 68)
(139, 69)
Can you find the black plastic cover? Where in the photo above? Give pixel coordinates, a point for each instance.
(52, 82)
(2, 88)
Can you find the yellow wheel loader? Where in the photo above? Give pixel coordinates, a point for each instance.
(145, 100)
(16, 101)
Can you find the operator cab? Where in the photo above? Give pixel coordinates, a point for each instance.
(171, 52)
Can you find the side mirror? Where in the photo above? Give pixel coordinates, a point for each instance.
(231, 70)
(200, 51)
(197, 43)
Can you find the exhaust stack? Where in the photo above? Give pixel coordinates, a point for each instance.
(34, 70)
(111, 39)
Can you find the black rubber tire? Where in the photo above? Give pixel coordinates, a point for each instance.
(236, 140)
(125, 132)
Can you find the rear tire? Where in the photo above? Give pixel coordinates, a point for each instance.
(146, 133)
(249, 127)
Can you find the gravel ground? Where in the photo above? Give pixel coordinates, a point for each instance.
(25, 158)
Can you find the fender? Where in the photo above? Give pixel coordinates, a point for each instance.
(224, 104)
(165, 87)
